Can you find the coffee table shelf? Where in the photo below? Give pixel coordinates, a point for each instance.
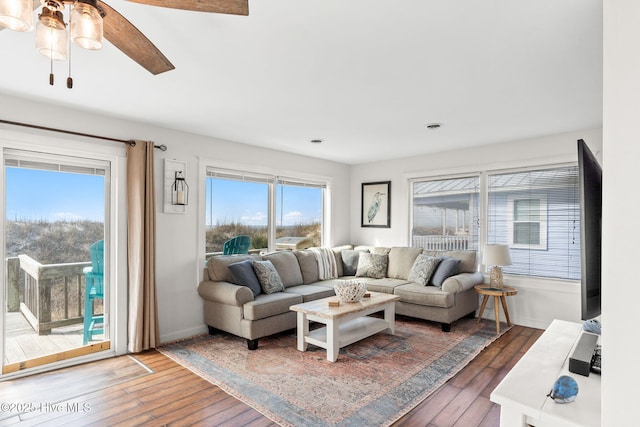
(349, 332)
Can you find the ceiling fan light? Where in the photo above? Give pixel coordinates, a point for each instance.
(51, 35)
(86, 26)
(16, 15)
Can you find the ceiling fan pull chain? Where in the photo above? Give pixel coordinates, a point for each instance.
(51, 73)
(69, 79)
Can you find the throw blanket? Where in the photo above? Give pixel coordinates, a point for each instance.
(327, 267)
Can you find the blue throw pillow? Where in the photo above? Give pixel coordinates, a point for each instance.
(243, 274)
(447, 268)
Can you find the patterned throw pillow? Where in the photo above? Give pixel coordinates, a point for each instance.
(268, 276)
(423, 268)
(372, 265)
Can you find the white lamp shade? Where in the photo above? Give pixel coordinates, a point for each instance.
(495, 254)
(16, 15)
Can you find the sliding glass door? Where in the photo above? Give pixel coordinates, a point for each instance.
(56, 287)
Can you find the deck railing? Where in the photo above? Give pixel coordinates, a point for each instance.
(38, 300)
(442, 243)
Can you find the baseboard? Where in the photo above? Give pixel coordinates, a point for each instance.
(185, 333)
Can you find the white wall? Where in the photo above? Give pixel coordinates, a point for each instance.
(538, 301)
(178, 267)
(621, 201)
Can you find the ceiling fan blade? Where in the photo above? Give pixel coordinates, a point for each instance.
(126, 37)
(231, 7)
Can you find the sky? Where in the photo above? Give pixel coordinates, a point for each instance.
(247, 203)
(33, 195)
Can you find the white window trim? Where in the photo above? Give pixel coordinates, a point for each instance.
(543, 221)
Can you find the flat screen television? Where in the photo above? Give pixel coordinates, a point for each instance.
(590, 184)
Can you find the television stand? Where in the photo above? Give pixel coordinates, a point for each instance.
(522, 394)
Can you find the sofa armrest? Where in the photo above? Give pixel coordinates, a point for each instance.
(225, 293)
(462, 282)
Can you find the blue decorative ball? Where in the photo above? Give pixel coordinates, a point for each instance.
(565, 390)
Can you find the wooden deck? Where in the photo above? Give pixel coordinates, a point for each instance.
(175, 396)
(23, 343)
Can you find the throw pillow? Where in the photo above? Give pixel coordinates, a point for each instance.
(423, 268)
(350, 259)
(268, 276)
(446, 268)
(372, 265)
(244, 275)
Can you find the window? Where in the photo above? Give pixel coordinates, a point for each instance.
(445, 213)
(528, 222)
(261, 206)
(536, 212)
(299, 207)
(236, 204)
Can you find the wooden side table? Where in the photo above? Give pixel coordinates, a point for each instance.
(498, 295)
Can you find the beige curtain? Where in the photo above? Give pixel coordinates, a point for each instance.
(141, 215)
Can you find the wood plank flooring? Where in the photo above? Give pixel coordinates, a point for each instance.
(173, 395)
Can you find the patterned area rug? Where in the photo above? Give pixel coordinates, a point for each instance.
(374, 382)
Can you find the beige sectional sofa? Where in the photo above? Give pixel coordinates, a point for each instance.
(234, 308)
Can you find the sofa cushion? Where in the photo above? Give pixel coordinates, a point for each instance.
(372, 265)
(385, 285)
(308, 266)
(267, 305)
(401, 260)
(287, 266)
(445, 269)
(423, 268)
(350, 259)
(311, 292)
(244, 274)
(431, 296)
(218, 266)
(270, 280)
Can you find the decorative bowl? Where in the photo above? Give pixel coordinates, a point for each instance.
(350, 290)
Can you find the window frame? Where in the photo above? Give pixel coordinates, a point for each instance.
(485, 174)
(543, 221)
(211, 170)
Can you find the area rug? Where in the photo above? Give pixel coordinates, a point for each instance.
(374, 381)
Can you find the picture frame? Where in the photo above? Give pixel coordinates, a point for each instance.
(376, 204)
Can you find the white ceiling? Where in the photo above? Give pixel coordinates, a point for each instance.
(365, 76)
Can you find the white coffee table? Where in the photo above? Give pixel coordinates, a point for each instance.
(346, 323)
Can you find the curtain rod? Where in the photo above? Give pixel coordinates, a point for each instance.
(132, 143)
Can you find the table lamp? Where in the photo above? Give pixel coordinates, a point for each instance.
(497, 256)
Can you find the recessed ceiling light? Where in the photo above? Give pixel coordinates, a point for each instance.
(316, 141)
(434, 126)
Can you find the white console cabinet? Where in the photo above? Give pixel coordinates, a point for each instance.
(522, 394)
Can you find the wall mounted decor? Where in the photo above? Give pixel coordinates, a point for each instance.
(175, 171)
(376, 204)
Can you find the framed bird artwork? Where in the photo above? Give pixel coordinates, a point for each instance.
(376, 205)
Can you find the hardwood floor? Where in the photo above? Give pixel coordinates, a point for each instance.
(173, 395)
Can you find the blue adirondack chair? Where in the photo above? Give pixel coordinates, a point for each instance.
(237, 245)
(94, 289)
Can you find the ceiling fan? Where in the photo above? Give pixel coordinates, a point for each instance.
(89, 17)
